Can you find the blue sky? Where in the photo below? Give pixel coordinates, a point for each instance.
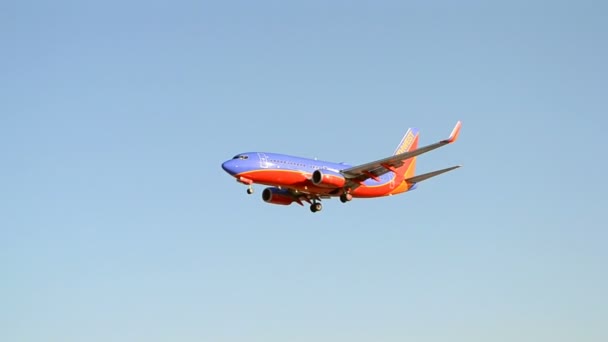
(118, 224)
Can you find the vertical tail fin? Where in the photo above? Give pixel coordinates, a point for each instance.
(407, 141)
(407, 144)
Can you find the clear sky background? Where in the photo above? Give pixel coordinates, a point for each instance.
(117, 222)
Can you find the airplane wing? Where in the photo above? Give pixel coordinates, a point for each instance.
(379, 167)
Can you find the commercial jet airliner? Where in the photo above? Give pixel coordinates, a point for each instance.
(295, 179)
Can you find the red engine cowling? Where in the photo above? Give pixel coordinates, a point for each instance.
(277, 196)
(328, 179)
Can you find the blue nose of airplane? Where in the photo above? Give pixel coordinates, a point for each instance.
(230, 166)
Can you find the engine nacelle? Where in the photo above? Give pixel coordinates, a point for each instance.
(277, 196)
(328, 179)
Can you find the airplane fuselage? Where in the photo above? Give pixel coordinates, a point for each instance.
(293, 172)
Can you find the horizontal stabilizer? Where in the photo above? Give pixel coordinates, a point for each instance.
(420, 178)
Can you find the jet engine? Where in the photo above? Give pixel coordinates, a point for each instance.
(328, 179)
(277, 196)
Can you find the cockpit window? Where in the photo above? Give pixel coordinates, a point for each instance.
(240, 156)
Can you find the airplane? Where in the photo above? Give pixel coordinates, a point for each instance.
(296, 179)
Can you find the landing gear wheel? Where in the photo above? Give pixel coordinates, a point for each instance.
(316, 207)
(346, 197)
(249, 190)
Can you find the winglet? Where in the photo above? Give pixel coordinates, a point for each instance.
(454, 134)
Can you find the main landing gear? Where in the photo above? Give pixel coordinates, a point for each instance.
(316, 206)
(346, 197)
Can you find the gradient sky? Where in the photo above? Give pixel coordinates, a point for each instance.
(117, 222)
